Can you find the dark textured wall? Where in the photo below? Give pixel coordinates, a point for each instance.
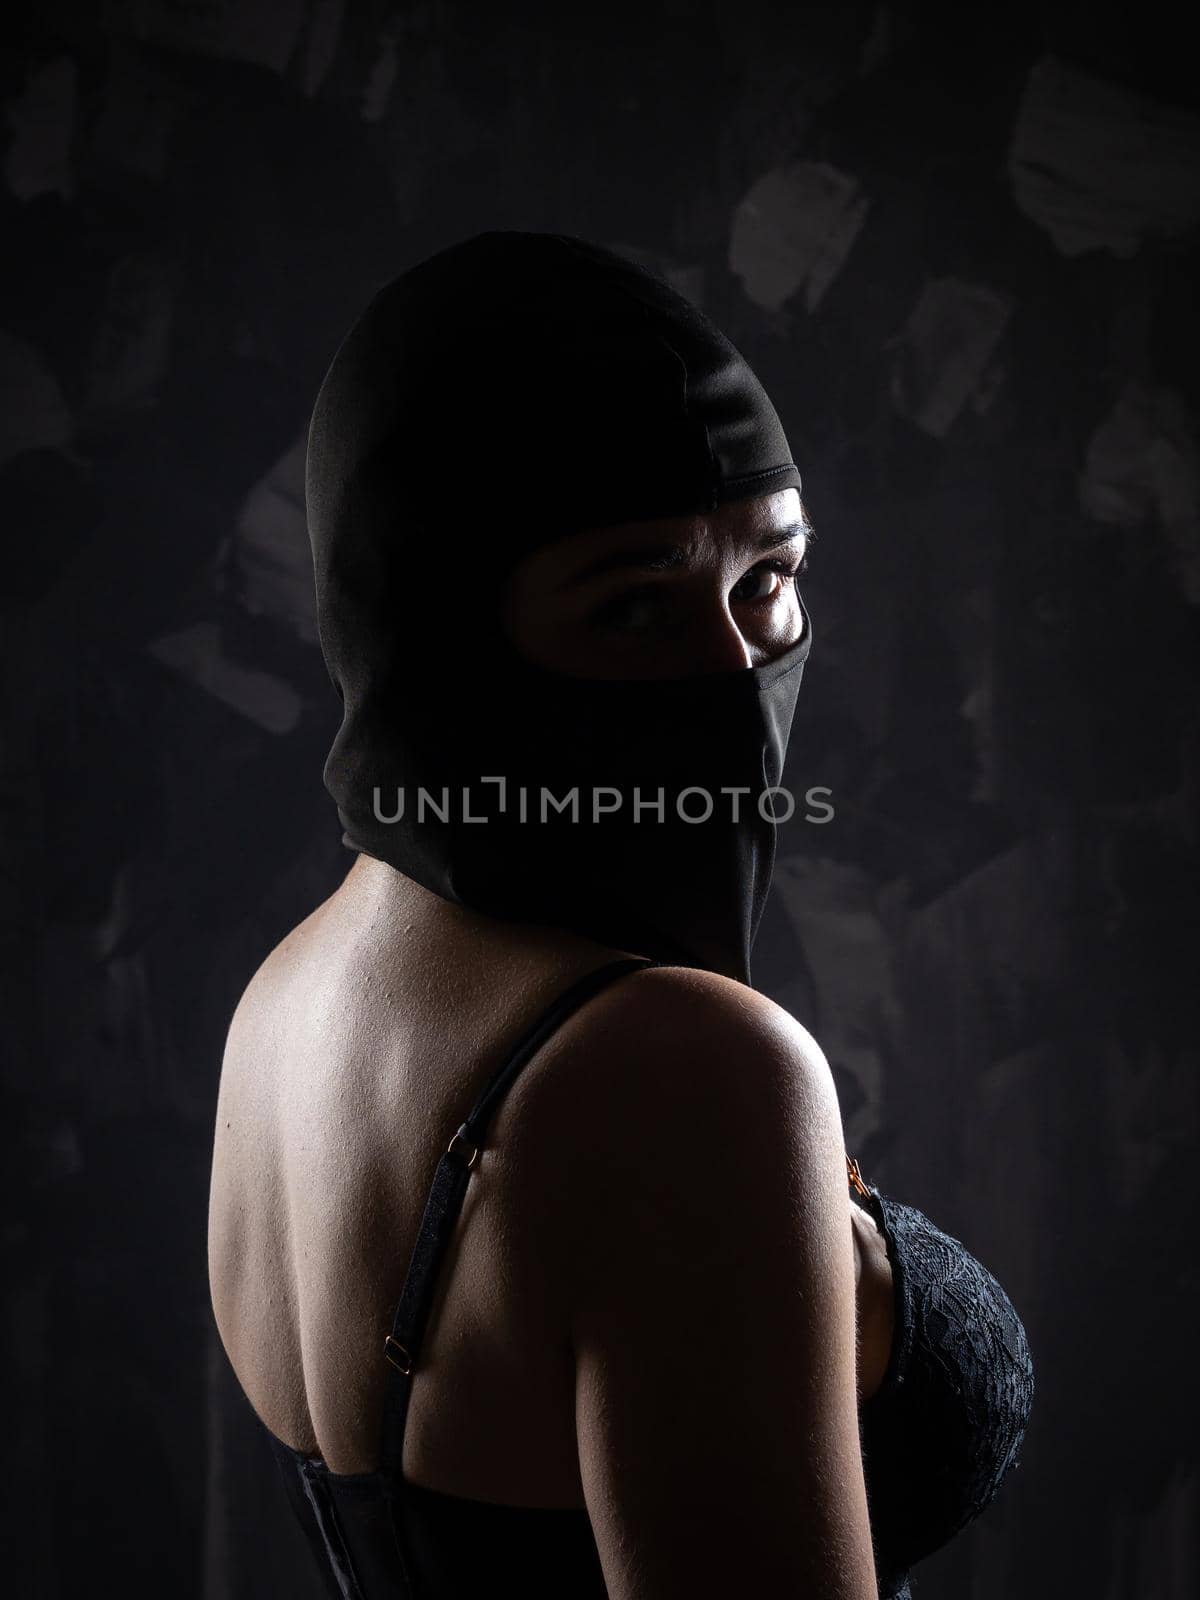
(961, 250)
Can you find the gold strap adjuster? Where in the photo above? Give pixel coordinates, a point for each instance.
(464, 1144)
(402, 1362)
(856, 1176)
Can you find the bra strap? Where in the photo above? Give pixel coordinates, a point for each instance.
(402, 1347)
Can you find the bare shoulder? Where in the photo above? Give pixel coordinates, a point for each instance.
(669, 1032)
(677, 1080)
(670, 1088)
(703, 1244)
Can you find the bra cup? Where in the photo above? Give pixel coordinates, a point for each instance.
(945, 1426)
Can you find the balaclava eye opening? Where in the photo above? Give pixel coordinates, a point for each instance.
(503, 394)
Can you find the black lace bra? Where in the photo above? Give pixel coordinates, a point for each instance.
(946, 1424)
(938, 1435)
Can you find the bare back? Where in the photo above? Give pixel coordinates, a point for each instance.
(359, 1045)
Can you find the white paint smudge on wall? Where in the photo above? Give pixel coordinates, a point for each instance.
(941, 358)
(1143, 462)
(793, 232)
(1099, 166)
(197, 654)
(271, 557)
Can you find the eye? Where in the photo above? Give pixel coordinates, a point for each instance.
(778, 574)
(654, 608)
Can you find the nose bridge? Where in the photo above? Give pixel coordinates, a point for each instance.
(725, 644)
(716, 640)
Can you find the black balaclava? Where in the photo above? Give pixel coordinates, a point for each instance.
(507, 392)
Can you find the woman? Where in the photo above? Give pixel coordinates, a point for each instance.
(531, 1238)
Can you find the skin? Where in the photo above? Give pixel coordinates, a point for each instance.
(727, 603)
(704, 1371)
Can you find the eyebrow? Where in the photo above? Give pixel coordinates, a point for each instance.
(669, 557)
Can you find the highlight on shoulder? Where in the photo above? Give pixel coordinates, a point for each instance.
(684, 1021)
